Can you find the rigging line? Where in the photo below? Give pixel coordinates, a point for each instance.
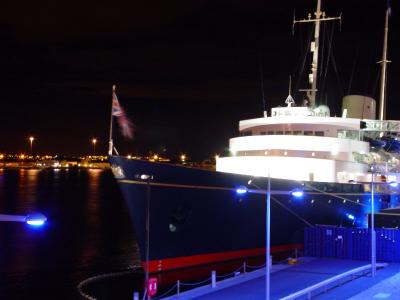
(324, 64)
(262, 81)
(353, 69)
(298, 63)
(376, 83)
(303, 47)
(291, 211)
(323, 49)
(115, 149)
(337, 73)
(328, 56)
(284, 206)
(301, 70)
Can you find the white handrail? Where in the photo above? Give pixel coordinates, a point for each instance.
(324, 283)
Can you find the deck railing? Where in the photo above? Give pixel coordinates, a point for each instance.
(333, 281)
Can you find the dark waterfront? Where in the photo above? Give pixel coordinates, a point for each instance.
(88, 231)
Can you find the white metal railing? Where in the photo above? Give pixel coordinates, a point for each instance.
(378, 125)
(323, 284)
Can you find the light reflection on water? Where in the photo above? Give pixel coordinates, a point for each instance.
(88, 231)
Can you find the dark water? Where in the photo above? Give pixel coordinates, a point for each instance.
(88, 232)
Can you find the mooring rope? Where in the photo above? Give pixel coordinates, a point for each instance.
(81, 286)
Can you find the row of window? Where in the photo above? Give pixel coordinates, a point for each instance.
(316, 133)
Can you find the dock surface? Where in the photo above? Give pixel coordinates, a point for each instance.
(287, 280)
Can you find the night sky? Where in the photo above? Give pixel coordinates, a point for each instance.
(186, 71)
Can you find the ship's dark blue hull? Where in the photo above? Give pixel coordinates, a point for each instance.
(197, 217)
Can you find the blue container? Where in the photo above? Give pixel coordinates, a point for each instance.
(352, 243)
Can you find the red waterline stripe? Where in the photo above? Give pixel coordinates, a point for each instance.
(187, 261)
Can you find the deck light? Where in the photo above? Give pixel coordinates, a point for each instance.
(145, 177)
(35, 219)
(241, 190)
(394, 184)
(298, 193)
(350, 217)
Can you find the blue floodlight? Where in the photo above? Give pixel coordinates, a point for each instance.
(394, 184)
(241, 190)
(297, 193)
(36, 219)
(350, 217)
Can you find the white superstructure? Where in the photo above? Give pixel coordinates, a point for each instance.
(297, 143)
(300, 143)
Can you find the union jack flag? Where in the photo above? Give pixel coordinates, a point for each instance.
(125, 124)
(117, 110)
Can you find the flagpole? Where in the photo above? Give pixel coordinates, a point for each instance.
(110, 141)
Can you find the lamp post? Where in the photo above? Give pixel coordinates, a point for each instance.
(267, 242)
(393, 184)
(372, 225)
(295, 193)
(373, 237)
(147, 178)
(94, 141)
(31, 139)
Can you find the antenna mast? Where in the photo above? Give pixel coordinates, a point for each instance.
(289, 100)
(262, 88)
(312, 77)
(383, 63)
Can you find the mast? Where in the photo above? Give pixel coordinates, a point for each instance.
(312, 77)
(383, 63)
(110, 140)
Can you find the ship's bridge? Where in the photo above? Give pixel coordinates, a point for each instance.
(301, 121)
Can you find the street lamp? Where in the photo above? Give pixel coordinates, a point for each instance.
(295, 193)
(373, 237)
(393, 184)
(147, 178)
(31, 139)
(94, 141)
(268, 241)
(34, 219)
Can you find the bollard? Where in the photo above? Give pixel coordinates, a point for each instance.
(135, 295)
(295, 253)
(213, 279)
(244, 268)
(178, 288)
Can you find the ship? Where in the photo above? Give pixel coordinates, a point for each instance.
(309, 167)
